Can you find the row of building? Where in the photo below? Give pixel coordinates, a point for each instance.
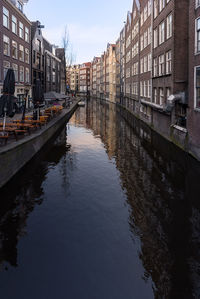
(31, 56)
(153, 69)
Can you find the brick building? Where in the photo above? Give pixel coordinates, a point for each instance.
(60, 53)
(93, 77)
(52, 73)
(15, 47)
(85, 78)
(37, 65)
(193, 113)
(73, 77)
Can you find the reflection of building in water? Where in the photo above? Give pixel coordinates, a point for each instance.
(161, 187)
(27, 192)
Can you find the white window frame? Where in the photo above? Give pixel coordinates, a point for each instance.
(195, 89)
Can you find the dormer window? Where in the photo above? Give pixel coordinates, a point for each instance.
(19, 6)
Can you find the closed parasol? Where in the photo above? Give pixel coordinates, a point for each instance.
(38, 94)
(8, 100)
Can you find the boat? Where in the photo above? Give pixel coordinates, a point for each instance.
(81, 103)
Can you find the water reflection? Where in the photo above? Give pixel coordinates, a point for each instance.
(161, 186)
(161, 183)
(22, 195)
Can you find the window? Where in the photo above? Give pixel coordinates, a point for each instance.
(169, 26)
(149, 62)
(145, 39)
(168, 62)
(26, 34)
(198, 35)
(155, 34)
(21, 30)
(161, 5)
(5, 17)
(155, 95)
(149, 8)
(14, 49)
(21, 74)
(149, 35)
(197, 93)
(21, 53)
(6, 45)
(6, 66)
(149, 89)
(141, 89)
(145, 64)
(15, 69)
(141, 65)
(142, 43)
(155, 67)
(155, 8)
(14, 24)
(27, 77)
(26, 55)
(161, 93)
(146, 85)
(19, 6)
(162, 33)
(161, 65)
(128, 72)
(197, 3)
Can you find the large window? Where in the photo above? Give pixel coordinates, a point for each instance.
(26, 34)
(27, 77)
(161, 65)
(169, 26)
(21, 30)
(155, 67)
(155, 38)
(14, 49)
(21, 53)
(162, 33)
(14, 24)
(168, 62)
(198, 35)
(21, 74)
(197, 97)
(26, 55)
(161, 94)
(6, 45)
(5, 17)
(15, 68)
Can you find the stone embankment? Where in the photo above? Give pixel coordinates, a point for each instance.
(15, 155)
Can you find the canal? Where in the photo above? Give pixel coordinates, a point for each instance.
(108, 210)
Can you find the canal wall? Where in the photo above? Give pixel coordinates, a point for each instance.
(173, 133)
(16, 154)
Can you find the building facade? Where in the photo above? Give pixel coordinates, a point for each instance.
(60, 53)
(193, 111)
(52, 76)
(85, 78)
(37, 64)
(15, 44)
(73, 77)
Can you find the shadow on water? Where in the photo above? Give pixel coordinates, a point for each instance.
(161, 183)
(21, 195)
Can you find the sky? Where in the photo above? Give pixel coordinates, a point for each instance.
(90, 24)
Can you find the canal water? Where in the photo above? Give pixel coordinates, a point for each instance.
(108, 210)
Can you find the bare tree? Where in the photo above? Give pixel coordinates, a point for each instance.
(69, 53)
